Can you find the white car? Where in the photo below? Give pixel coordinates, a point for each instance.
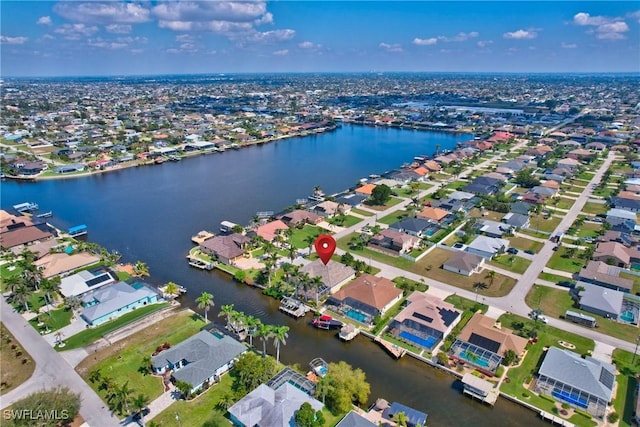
(543, 318)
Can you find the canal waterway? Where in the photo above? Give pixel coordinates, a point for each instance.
(149, 213)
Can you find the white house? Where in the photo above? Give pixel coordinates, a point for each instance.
(487, 247)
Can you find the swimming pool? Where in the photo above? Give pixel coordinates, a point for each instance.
(428, 342)
(356, 315)
(628, 316)
(137, 285)
(477, 360)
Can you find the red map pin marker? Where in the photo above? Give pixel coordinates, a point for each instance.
(325, 246)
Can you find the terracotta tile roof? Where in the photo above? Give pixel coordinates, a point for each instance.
(366, 189)
(374, 291)
(269, 230)
(433, 213)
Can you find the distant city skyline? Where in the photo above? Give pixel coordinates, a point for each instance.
(74, 38)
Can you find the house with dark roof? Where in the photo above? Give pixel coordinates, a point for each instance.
(226, 249)
(393, 242)
(367, 295)
(628, 204)
(586, 383)
(425, 321)
(352, 200)
(491, 228)
(521, 208)
(621, 220)
(266, 407)
(353, 419)
(516, 220)
(201, 358)
(414, 417)
(602, 301)
(464, 263)
(413, 226)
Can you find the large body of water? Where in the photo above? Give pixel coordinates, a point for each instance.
(150, 213)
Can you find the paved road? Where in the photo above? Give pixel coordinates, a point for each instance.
(51, 370)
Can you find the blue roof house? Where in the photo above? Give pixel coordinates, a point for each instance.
(112, 301)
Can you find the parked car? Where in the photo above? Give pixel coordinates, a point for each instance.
(512, 251)
(555, 248)
(530, 252)
(543, 318)
(458, 245)
(566, 283)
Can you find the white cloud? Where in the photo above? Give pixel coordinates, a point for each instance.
(521, 34)
(103, 12)
(185, 38)
(583, 18)
(425, 42)
(460, 37)
(267, 18)
(484, 43)
(106, 44)
(44, 20)
(634, 15)
(270, 36)
(395, 47)
(75, 31)
(306, 45)
(211, 11)
(612, 31)
(221, 27)
(282, 52)
(606, 28)
(13, 40)
(118, 28)
(568, 45)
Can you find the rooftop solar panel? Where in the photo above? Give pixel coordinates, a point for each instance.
(485, 343)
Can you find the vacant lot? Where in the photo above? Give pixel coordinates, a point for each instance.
(511, 262)
(525, 244)
(595, 208)
(17, 364)
(538, 222)
(560, 261)
(391, 202)
(298, 239)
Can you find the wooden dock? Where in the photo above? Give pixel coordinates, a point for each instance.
(393, 349)
(198, 263)
(348, 332)
(293, 307)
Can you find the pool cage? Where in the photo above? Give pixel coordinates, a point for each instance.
(415, 333)
(630, 310)
(288, 375)
(575, 397)
(479, 357)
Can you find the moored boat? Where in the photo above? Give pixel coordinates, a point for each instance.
(326, 322)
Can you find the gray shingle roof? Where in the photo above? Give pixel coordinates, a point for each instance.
(265, 407)
(600, 298)
(112, 297)
(354, 420)
(584, 374)
(204, 353)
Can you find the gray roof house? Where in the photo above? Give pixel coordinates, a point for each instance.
(413, 226)
(202, 357)
(266, 407)
(521, 208)
(113, 300)
(599, 300)
(464, 263)
(632, 205)
(584, 383)
(492, 228)
(487, 247)
(353, 419)
(516, 220)
(334, 275)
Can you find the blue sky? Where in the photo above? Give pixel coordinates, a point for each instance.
(42, 38)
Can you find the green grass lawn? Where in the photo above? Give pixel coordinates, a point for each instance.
(589, 229)
(525, 244)
(547, 336)
(570, 265)
(391, 202)
(552, 277)
(554, 302)
(586, 175)
(511, 262)
(6, 271)
(53, 320)
(393, 217)
(349, 220)
(538, 222)
(88, 336)
(636, 282)
(125, 362)
(564, 203)
(465, 304)
(35, 302)
(624, 403)
(299, 235)
(361, 212)
(595, 208)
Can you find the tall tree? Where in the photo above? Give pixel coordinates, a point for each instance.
(139, 404)
(491, 275)
(252, 327)
(50, 287)
(227, 311)
(316, 283)
(140, 269)
(205, 302)
(280, 335)
(21, 296)
(265, 332)
(172, 289)
(343, 386)
(380, 194)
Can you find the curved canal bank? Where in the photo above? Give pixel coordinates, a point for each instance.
(150, 214)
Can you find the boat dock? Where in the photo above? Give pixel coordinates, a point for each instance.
(293, 307)
(393, 349)
(78, 230)
(555, 420)
(181, 290)
(348, 332)
(198, 263)
(201, 237)
(478, 388)
(45, 215)
(26, 207)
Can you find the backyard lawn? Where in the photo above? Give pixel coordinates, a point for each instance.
(361, 212)
(299, 235)
(122, 361)
(525, 244)
(547, 336)
(53, 320)
(349, 220)
(624, 402)
(88, 336)
(589, 229)
(16, 369)
(511, 262)
(570, 265)
(636, 282)
(554, 302)
(595, 208)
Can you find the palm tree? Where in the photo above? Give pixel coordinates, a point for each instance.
(477, 286)
(32, 276)
(172, 289)
(50, 286)
(12, 282)
(95, 376)
(141, 269)
(72, 303)
(265, 333)
(138, 404)
(491, 275)
(227, 311)
(310, 240)
(315, 283)
(21, 295)
(205, 302)
(279, 335)
(401, 419)
(121, 398)
(252, 327)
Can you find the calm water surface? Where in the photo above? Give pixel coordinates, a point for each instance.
(150, 213)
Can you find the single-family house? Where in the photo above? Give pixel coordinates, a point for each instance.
(334, 275)
(487, 247)
(269, 230)
(432, 166)
(465, 263)
(612, 253)
(85, 281)
(492, 228)
(433, 214)
(414, 226)
(113, 300)
(544, 191)
(602, 301)
(365, 190)
(61, 263)
(266, 407)
(608, 276)
(22, 233)
(354, 419)
(226, 248)
(482, 344)
(329, 208)
(393, 242)
(585, 383)
(352, 200)
(618, 236)
(516, 220)
(514, 165)
(520, 207)
(366, 297)
(299, 217)
(568, 163)
(414, 417)
(201, 358)
(621, 219)
(631, 204)
(425, 321)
